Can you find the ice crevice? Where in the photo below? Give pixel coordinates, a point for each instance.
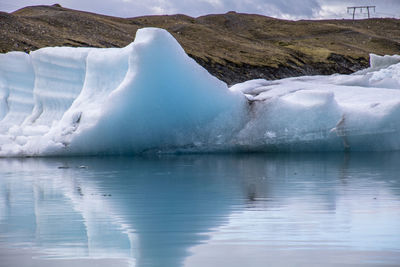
(151, 97)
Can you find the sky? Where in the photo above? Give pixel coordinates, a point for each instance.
(286, 9)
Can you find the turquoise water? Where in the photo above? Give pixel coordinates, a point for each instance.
(201, 210)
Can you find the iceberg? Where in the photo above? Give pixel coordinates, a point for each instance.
(151, 97)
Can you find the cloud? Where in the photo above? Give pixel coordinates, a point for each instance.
(288, 9)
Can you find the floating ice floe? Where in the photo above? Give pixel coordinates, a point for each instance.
(151, 97)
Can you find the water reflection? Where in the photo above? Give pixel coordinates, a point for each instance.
(173, 210)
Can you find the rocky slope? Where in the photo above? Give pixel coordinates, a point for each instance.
(234, 47)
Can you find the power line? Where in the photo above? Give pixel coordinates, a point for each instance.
(354, 8)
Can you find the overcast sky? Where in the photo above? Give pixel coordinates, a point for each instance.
(288, 9)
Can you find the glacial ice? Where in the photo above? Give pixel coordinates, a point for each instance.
(151, 97)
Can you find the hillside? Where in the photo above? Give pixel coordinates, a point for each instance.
(234, 47)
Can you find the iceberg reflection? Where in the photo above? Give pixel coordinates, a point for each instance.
(170, 210)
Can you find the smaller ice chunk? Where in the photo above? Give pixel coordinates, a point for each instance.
(381, 62)
(384, 72)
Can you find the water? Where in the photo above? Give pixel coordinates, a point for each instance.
(201, 210)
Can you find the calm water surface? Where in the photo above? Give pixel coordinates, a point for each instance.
(201, 210)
